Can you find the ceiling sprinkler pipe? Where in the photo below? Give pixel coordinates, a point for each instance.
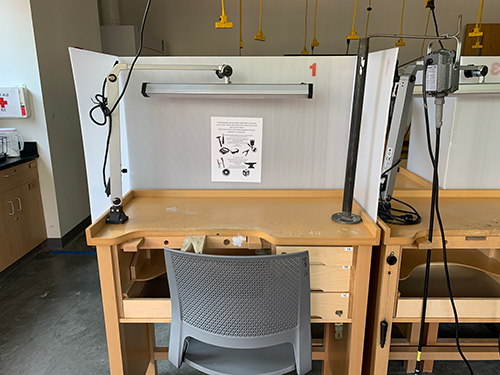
(110, 12)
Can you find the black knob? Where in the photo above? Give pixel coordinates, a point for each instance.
(391, 259)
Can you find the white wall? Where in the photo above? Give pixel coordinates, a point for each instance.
(20, 66)
(59, 24)
(188, 26)
(36, 54)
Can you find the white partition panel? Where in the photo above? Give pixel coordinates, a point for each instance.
(379, 80)
(304, 140)
(469, 156)
(89, 71)
(167, 142)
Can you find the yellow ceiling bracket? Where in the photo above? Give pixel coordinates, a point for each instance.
(315, 41)
(476, 32)
(477, 45)
(305, 51)
(477, 29)
(260, 36)
(353, 34)
(400, 42)
(223, 23)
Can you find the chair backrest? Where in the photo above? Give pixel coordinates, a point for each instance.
(239, 301)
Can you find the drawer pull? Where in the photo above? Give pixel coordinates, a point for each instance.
(10, 174)
(339, 331)
(12, 206)
(19, 201)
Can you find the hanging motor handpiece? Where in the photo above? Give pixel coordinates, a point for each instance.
(442, 75)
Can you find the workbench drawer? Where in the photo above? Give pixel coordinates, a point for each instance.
(325, 307)
(330, 267)
(18, 175)
(473, 309)
(329, 307)
(326, 255)
(158, 309)
(330, 279)
(150, 299)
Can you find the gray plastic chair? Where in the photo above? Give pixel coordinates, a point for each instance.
(243, 315)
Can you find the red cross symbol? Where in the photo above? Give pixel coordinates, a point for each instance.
(3, 103)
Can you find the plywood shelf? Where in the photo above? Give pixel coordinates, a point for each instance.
(147, 265)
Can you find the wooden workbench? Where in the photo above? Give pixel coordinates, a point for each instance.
(471, 220)
(132, 270)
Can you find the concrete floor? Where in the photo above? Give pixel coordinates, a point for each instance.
(51, 320)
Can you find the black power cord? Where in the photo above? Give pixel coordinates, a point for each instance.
(101, 102)
(432, 6)
(385, 209)
(435, 210)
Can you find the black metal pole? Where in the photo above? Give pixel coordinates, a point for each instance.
(346, 216)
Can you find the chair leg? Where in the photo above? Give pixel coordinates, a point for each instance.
(176, 345)
(303, 361)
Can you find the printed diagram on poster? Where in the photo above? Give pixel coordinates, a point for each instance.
(236, 149)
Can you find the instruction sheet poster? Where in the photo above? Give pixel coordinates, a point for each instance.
(236, 149)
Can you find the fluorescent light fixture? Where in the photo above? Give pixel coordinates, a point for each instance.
(229, 90)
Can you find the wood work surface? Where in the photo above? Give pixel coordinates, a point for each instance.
(471, 220)
(407, 180)
(464, 213)
(281, 217)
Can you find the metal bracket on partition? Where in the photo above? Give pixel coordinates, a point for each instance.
(116, 213)
(346, 216)
(401, 119)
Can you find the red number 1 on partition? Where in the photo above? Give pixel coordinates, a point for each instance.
(313, 68)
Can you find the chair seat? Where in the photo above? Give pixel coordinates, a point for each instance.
(216, 360)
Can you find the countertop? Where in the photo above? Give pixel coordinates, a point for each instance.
(281, 217)
(29, 153)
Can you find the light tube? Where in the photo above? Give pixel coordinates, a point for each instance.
(229, 90)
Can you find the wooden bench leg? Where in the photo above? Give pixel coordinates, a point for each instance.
(432, 336)
(327, 366)
(152, 368)
(412, 334)
(336, 350)
(387, 287)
